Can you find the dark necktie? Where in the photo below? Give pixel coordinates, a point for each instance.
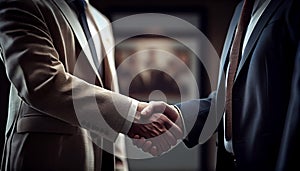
(80, 9)
(234, 60)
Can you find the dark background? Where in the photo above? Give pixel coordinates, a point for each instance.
(218, 12)
(216, 17)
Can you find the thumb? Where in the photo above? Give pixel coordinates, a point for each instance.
(171, 112)
(141, 106)
(153, 107)
(161, 107)
(147, 111)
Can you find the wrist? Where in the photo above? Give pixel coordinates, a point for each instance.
(180, 121)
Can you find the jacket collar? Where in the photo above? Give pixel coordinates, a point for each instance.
(228, 42)
(269, 11)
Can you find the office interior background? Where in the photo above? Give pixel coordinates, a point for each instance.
(212, 17)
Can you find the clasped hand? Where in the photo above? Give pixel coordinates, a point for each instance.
(156, 128)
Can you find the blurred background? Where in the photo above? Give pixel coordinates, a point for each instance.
(166, 82)
(163, 81)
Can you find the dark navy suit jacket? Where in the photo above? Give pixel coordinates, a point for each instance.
(265, 94)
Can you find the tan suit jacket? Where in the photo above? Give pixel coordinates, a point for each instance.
(54, 105)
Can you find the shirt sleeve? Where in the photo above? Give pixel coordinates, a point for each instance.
(130, 117)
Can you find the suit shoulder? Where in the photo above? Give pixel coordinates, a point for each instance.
(19, 3)
(29, 6)
(100, 17)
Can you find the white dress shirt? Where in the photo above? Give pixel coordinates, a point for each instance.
(96, 37)
(258, 9)
(120, 148)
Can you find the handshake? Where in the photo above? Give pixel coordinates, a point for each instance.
(156, 127)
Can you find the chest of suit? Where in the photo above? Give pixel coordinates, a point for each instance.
(261, 90)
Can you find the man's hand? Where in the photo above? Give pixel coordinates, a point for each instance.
(161, 107)
(156, 128)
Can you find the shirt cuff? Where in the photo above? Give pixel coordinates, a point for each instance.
(182, 121)
(130, 117)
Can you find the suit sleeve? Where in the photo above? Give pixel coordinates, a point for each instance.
(290, 142)
(194, 114)
(33, 67)
(290, 148)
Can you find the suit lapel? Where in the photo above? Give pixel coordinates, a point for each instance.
(229, 39)
(107, 45)
(257, 32)
(77, 29)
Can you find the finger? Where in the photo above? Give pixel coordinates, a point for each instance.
(168, 140)
(147, 111)
(157, 144)
(141, 106)
(154, 107)
(172, 113)
(169, 137)
(145, 130)
(151, 131)
(153, 151)
(161, 107)
(147, 146)
(163, 143)
(135, 142)
(158, 107)
(139, 142)
(163, 124)
(172, 127)
(176, 131)
(135, 139)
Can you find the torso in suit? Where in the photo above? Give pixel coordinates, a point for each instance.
(261, 90)
(41, 41)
